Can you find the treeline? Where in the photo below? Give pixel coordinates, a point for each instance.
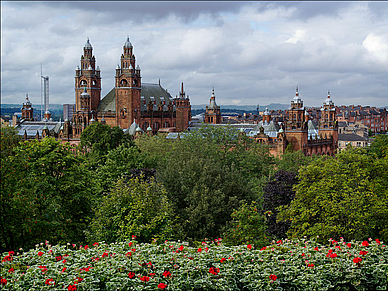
(212, 183)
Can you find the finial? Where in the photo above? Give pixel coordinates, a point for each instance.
(182, 88)
(297, 89)
(26, 96)
(328, 94)
(159, 81)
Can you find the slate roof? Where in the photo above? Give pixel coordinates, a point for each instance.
(350, 137)
(149, 92)
(32, 126)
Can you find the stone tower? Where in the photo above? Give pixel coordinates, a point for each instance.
(27, 110)
(127, 88)
(88, 80)
(183, 111)
(328, 127)
(213, 112)
(296, 128)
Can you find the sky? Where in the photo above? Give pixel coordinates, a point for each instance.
(250, 52)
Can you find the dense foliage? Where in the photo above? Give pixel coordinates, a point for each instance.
(134, 207)
(278, 192)
(45, 193)
(283, 265)
(343, 196)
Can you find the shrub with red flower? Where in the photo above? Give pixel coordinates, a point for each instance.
(131, 275)
(49, 281)
(162, 286)
(214, 270)
(273, 277)
(3, 281)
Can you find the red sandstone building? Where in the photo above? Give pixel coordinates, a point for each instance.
(149, 107)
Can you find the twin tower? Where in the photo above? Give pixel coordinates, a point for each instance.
(149, 106)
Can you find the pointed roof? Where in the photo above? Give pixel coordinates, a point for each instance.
(213, 104)
(328, 101)
(88, 45)
(128, 44)
(297, 97)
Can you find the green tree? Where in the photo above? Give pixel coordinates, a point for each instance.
(46, 194)
(9, 139)
(379, 146)
(133, 207)
(346, 196)
(246, 227)
(120, 161)
(98, 139)
(292, 161)
(206, 176)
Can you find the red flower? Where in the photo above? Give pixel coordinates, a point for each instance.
(363, 253)
(43, 268)
(64, 269)
(48, 281)
(86, 247)
(130, 244)
(310, 265)
(365, 243)
(263, 248)
(131, 275)
(273, 277)
(199, 250)
(134, 237)
(11, 270)
(357, 260)
(58, 258)
(166, 274)
(303, 254)
(316, 248)
(64, 261)
(222, 260)
(249, 246)
(11, 253)
(72, 288)
(214, 271)
(349, 245)
(3, 281)
(79, 280)
(104, 255)
(378, 241)
(128, 254)
(181, 248)
(152, 274)
(145, 279)
(95, 244)
(40, 253)
(333, 255)
(279, 242)
(162, 286)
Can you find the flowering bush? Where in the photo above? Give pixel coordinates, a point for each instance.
(283, 265)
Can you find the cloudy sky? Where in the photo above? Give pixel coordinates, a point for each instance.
(250, 52)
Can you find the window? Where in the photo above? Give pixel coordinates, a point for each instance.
(156, 125)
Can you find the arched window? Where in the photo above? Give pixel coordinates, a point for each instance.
(124, 83)
(84, 83)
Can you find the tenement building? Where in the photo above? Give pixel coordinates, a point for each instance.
(148, 107)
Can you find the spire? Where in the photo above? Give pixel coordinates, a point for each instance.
(182, 93)
(88, 45)
(127, 44)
